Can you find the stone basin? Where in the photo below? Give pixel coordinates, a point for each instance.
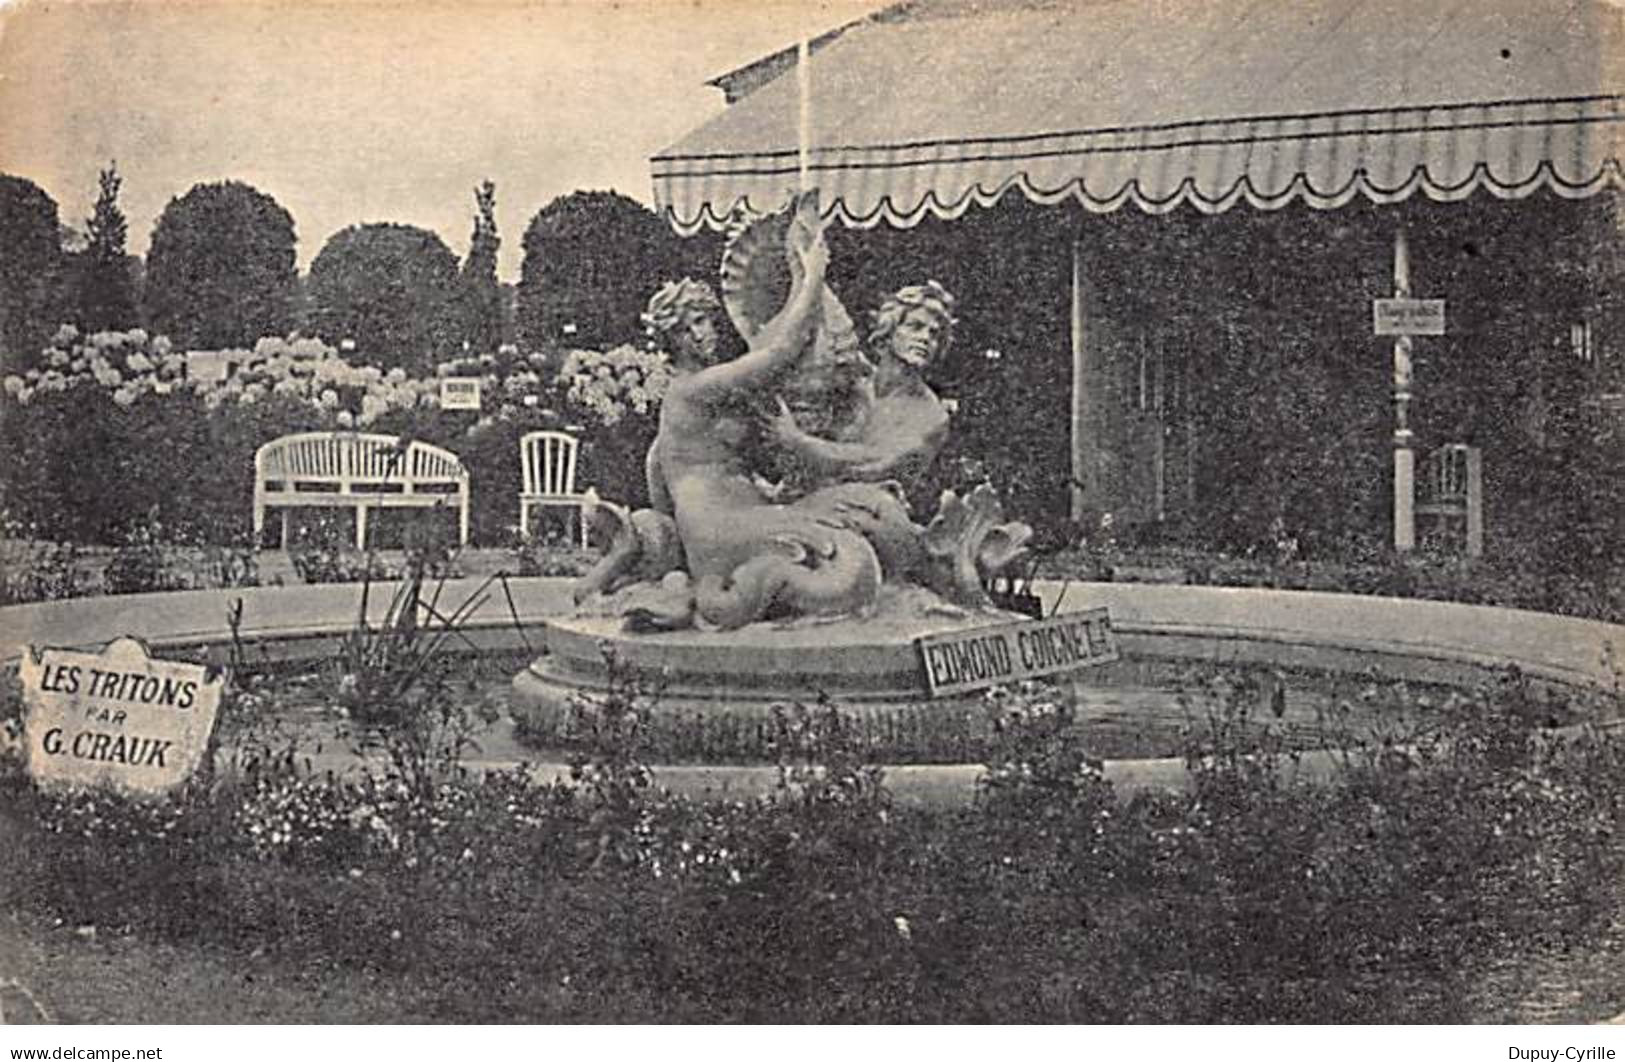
(723, 688)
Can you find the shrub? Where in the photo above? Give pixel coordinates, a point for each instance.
(33, 261)
(320, 553)
(110, 428)
(592, 259)
(396, 686)
(1513, 578)
(111, 424)
(139, 567)
(230, 566)
(613, 383)
(552, 557)
(220, 271)
(11, 727)
(390, 288)
(1379, 895)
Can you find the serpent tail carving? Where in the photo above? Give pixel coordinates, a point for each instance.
(800, 574)
(644, 546)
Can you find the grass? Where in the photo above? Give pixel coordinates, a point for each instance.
(127, 979)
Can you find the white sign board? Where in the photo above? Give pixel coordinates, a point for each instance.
(961, 661)
(116, 718)
(460, 392)
(1407, 317)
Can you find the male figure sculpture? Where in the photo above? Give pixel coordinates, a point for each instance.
(900, 424)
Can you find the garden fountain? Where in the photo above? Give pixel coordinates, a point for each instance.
(778, 561)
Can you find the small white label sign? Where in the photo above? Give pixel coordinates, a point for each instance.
(1008, 652)
(460, 392)
(1407, 317)
(116, 718)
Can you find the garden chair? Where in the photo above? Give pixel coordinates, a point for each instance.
(547, 463)
(1453, 494)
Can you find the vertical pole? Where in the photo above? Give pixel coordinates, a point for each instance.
(1475, 502)
(1404, 456)
(1082, 473)
(804, 123)
(1160, 469)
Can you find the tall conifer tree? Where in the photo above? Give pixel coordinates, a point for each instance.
(106, 290)
(481, 293)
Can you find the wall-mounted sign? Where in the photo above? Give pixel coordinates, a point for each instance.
(961, 661)
(460, 392)
(1407, 317)
(116, 718)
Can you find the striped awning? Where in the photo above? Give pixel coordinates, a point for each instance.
(1163, 105)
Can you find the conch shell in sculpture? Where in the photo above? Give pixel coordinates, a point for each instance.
(756, 279)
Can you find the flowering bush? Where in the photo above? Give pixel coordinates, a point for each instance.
(132, 366)
(139, 565)
(111, 424)
(614, 383)
(307, 819)
(1512, 578)
(307, 371)
(11, 724)
(104, 817)
(510, 382)
(128, 364)
(552, 556)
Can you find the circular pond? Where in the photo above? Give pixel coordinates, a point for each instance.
(1198, 663)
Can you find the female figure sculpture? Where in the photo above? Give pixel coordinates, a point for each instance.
(746, 557)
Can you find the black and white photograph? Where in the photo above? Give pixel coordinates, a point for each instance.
(832, 513)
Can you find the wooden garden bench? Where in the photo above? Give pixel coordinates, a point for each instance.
(354, 470)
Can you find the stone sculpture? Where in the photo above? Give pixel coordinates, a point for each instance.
(821, 525)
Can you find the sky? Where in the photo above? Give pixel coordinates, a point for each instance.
(353, 111)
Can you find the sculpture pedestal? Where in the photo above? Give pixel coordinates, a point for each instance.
(712, 695)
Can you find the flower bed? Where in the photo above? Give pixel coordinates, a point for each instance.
(33, 571)
(1379, 897)
(117, 432)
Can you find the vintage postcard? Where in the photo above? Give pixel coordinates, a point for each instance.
(695, 512)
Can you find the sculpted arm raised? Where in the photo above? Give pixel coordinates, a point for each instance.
(782, 340)
(900, 440)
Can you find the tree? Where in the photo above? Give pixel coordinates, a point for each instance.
(480, 291)
(30, 265)
(591, 260)
(390, 288)
(220, 273)
(106, 288)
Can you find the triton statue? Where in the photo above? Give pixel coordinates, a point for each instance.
(778, 480)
